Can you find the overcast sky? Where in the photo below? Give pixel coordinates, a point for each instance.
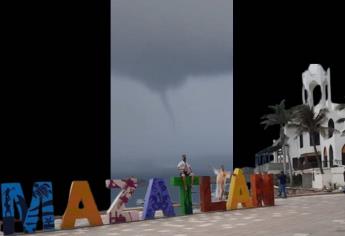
(171, 85)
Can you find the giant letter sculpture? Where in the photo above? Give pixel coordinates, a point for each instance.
(42, 194)
(185, 196)
(206, 203)
(115, 212)
(80, 192)
(238, 191)
(262, 190)
(157, 198)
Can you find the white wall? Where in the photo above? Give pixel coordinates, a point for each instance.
(334, 176)
(338, 176)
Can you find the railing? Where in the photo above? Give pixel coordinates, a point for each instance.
(313, 164)
(339, 163)
(305, 165)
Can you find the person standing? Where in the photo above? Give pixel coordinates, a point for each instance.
(222, 175)
(282, 184)
(185, 170)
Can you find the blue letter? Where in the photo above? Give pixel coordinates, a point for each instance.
(42, 194)
(157, 198)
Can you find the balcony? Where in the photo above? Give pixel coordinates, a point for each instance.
(306, 165)
(306, 161)
(310, 164)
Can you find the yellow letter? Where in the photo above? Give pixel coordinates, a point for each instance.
(238, 191)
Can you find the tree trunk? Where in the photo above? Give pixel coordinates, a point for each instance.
(282, 140)
(315, 150)
(284, 159)
(290, 168)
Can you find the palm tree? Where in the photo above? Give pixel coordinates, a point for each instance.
(304, 119)
(280, 116)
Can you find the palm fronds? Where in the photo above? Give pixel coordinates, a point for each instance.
(279, 116)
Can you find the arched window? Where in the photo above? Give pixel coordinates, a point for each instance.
(330, 128)
(326, 91)
(301, 141)
(317, 95)
(306, 96)
(325, 161)
(330, 156)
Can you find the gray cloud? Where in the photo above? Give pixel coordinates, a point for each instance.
(160, 42)
(156, 46)
(144, 143)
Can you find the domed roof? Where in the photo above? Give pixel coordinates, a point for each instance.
(315, 68)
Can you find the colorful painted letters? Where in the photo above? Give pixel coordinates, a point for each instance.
(115, 212)
(206, 203)
(157, 198)
(238, 191)
(42, 194)
(80, 192)
(262, 190)
(186, 204)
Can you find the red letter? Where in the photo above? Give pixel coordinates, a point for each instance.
(206, 203)
(116, 211)
(262, 190)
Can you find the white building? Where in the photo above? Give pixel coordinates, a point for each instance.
(331, 148)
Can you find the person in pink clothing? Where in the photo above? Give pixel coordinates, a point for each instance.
(222, 175)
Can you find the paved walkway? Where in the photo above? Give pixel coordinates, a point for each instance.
(322, 215)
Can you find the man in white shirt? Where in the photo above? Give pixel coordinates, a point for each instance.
(185, 170)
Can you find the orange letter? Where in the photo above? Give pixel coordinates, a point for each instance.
(80, 192)
(238, 191)
(262, 190)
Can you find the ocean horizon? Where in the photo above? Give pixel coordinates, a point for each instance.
(138, 197)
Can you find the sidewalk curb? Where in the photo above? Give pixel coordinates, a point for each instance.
(311, 194)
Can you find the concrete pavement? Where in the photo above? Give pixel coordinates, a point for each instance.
(299, 216)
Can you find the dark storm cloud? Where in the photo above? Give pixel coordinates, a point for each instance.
(156, 46)
(160, 42)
